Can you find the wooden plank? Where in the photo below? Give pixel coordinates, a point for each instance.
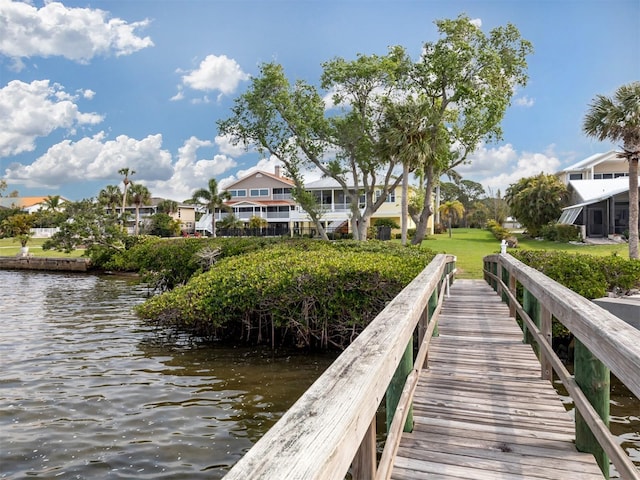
(481, 410)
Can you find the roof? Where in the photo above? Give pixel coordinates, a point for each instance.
(592, 161)
(591, 191)
(282, 179)
(24, 202)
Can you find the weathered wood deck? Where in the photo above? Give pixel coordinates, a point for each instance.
(481, 410)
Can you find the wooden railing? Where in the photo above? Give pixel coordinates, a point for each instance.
(331, 429)
(603, 342)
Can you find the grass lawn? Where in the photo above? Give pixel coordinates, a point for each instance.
(10, 248)
(471, 245)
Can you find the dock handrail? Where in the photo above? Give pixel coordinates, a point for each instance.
(607, 338)
(332, 425)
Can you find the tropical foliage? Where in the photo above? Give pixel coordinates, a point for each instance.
(18, 226)
(305, 293)
(213, 200)
(88, 224)
(617, 118)
(537, 201)
(139, 196)
(452, 210)
(387, 113)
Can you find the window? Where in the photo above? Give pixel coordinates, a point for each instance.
(238, 193)
(391, 197)
(259, 192)
(575, 176)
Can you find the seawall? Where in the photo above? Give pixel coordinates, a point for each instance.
(54, 264)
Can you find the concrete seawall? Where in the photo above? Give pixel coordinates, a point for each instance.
(45, 263)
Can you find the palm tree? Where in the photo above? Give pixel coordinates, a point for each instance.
(404, 136)
(140, 195)
(213, 200)
(167, 206)
(453, 210)
(110, 196)
(52, 203)
(126, 172)
(618, 118)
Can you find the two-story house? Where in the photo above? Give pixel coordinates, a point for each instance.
(337, 206)
(259, 194)
(599, 188)
(268, 196)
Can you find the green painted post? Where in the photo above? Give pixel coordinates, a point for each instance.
(394, 390)
(505, 279)
(532, 307)
(594, 380)
(433, 304)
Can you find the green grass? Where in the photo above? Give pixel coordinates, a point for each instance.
(10, 248)
(471, 245)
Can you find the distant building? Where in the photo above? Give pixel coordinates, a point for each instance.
(27, 204)
(599, 188)
(268, 196)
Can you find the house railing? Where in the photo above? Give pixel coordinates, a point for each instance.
(603, 343)
(332, 427)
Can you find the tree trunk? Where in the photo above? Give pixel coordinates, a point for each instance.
(404, 204)
(213, 223)
(137, 227)
(633, 206)
(427, 209)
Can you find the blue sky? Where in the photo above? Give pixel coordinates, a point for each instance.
(89, 87)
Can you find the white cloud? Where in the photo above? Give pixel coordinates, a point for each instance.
(190, 173)
(513, 165)
(486, 161)
(78, 34)
(524, 101)
(31, 110)
(476, 21)
(215, 73)
(224, 144)
(95, 158)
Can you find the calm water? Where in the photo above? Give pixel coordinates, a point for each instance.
(88, 391)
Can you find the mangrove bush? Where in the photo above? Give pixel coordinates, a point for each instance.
(305, 293)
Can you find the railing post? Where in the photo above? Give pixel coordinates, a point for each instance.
(546, 331)
(433, 304)
(394, 390)
(505, 277)
(364, 463)
(513, 290)
(594, 380)
(532, 307)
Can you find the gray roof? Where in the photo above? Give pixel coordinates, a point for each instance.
(591, 191)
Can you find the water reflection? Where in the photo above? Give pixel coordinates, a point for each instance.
(87, 391)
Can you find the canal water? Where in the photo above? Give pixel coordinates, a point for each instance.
(88, 391)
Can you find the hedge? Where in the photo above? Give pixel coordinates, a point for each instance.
(588, 275)
(308, 294)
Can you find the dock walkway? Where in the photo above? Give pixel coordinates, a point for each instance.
(481, 410)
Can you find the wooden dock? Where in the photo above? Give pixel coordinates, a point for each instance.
(481, 410)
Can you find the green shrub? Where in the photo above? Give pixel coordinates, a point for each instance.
(167, 263)
(588, 275)
(385, 222)
(305, 293)
(498, 230)
(556, 232)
